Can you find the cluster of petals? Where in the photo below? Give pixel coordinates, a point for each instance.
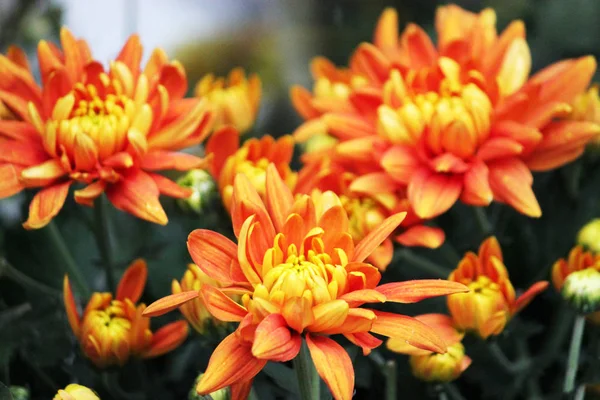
(299, 274)
(109, 129)
(491, 301)
(459, 119)
(110, 331)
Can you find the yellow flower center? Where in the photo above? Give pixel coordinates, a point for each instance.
(484, 286)
(364, 215)
(256, 172)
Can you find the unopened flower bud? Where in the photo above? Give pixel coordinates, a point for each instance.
(589, 236)
(221, 394)
(434, 367)
(203, 188)
(582, 290)
(19, 393)
(76, 392)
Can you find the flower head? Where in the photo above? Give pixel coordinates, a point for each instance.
(251, 159)
(234, 101)
(299, 274)
(589, 236)
(458, 120)
(113, 329)
(109, 129)
(76, 392)
(491, 301)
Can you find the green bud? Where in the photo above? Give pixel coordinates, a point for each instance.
(582, 290)
(204, 190)
(589, 236)
(221, 394)
(19, 393)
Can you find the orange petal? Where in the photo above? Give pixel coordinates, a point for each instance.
(279, 198)
(231, 362)
(413, 331)
(169, 303)
(333, 365)
(432, 194)
(216, 256)
(241, 390)
(417, 290)
(386, 31)
(382, 256)
(222, 306)
(418, 47)
(329, 315)
(443, 326)
(246, 202)
(566, 79)
(371, 62)
(85, 151)
(222, 143)
(370, 242)
(476, 189)
(167, 338)
(357, 298)
(511, 181)
(488, 249)
(9, 181)
(133, 281)
(302, 102)
(90, 193)
(376, 182)
(515, 67)
(119, 160)
(499, 147)
(161, 159)
(297, 312)
(274, 341)
(71, 307)
(422, 235)
(43, 174)
(529, 294)
(364, 340)
(136, 193)
(46, 204)
(169, 188)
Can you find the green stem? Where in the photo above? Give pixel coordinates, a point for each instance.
(308, 380)
(6, 269)
(574, 350)
(424, 264)
(448, 391)
(391, 378)
(102, 233)
(482, 221)
(504, 362)
(67, 259)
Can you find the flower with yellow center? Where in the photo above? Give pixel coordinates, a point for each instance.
(113, 329)
(235, 101)
(460, 119)
(251, 159)
(491, 301)
(76, 392)
(110, 129)
(300, 275)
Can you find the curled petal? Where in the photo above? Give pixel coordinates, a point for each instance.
(511, 181)
(133, 281)
(222, 306)
(167, 338)
(432, 194)
(169, 303)
(71, 307)
(357, 298)
(273, 340)
(476, 189)
(529, 294)
(370, 242)
(333, 365)
(46, 204)
(216, 256)
(90, 193)
(422, 235)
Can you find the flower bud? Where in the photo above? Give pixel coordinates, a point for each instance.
(589, 236)
(319, 142)
(19, 393)
(434, 367)
(76, 392)
(582, 290)
(203, 187)
(221, 394)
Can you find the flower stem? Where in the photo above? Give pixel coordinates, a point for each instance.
(574, 350)
(506, 364)
(308, 380)
(7, 270)
(482, 220)
(103, 240)
(424, 264)
(68, 262)
(390, 377)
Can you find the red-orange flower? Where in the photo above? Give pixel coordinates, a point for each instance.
(108, 129)
(299, 274)
(456, 120)
(251, 159)
(491, 301)
(112, 330)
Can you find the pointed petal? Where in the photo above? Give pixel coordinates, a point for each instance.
(382, 256)
(71, 307)
(43, 174)
(246, 202)
(499, 147)
(169, 188)
(241, 390)
(476, 189)
(515, 67)
(9, 181)
(279, 198)
(46, 204)
(364, 340)
(133, 281)
(169, 303)
(370, 242)
(156, 160)
(329, 315)
(231, 362)
(422, 235)
(376, 182)
(417, 290)
(167, 338)
(90, 193)
(386, 31)
(432, 194)
(222, 306)
(216, 256)
(274, 341)
(511, 181)
(333, 365)
(529, 294)
(222, 143)
(356, 298)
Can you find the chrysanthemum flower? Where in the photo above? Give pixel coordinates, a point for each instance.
(367, 208)
(76, 392)
(300, 275)
(578, 260)
(456, 120)
(251, 159)
(195, 311)
(491, 301)
(108, 129)
(235, 101)
(434, 367)
(113, 329)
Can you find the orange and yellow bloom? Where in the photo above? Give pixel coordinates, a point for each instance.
(76, 392)
(109, 129)
(251, 159)
(299, 274)
(234, 101)
(458, 120)
(113, 329)
(491, 301)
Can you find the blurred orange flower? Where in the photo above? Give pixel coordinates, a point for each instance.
(251, 159)
(234, 101)
(460, 120)
(108, 129)
(491, 301)
(112, 330)
(299, 274)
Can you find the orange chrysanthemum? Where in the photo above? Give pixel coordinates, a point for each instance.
(112, 330)
(367, 207)
(491, 301)
(299, 274)
(460, 119)
(251, 159)
(108, 129)
(234, 101)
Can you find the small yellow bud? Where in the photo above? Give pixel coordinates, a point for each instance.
(319, 143)
(221, 394)
(589, 236)
(434, 367)
(582, 290)
(203, 188)
(76, 392)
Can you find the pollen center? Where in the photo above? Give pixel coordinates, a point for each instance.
(484, 286)
(109, 322)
